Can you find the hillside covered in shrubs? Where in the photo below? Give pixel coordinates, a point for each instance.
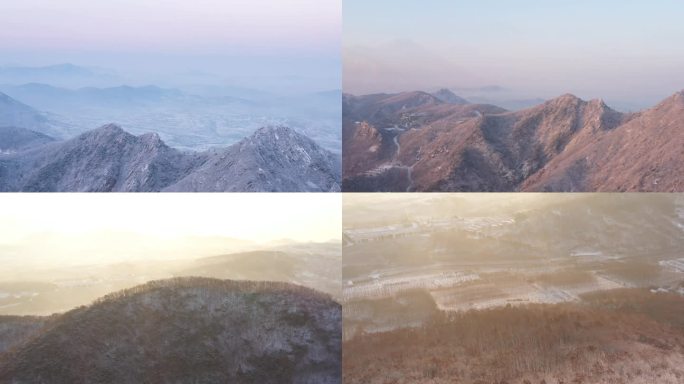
(630, 336)
(183, 330)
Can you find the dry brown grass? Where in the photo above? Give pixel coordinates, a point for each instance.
(564, 343)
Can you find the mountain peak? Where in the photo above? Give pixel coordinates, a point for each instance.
(411, 99)
(275, 134)
(600, 106)
(447, 96)
(275, 129)
(152, 137)
(565, 101)
(112, 132)
(674, 100)
(567, 97)
(599, 102)
(108, 129)
(679, 96)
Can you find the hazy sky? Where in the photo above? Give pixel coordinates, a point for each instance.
(255, 37)
(92, 228)
(621, 50)
(256, 217)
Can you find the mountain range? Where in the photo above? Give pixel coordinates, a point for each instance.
(193, 118)
(312, 265)
(415, 141)
(181, 330)
(47, 97)
(64, 74)
(273, 159)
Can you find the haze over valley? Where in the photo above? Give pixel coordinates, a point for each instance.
(210, 113)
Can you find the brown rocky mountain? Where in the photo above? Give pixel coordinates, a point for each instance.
(372, 126)
(645, 153)
(564, 144)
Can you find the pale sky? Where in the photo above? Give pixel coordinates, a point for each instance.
(197, 26)
(249, 216)
(620, 50)
(50, 230)
(277, 38)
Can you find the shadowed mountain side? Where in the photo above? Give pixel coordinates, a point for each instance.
(15, 329)
(16, 114)
(187, 330)
(110, 159)
(14, 139)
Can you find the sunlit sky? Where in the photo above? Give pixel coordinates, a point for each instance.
(255, 217)
(43, 231)
(251, 37)
(621, 50)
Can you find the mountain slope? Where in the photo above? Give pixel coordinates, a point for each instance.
(16, 114)
(16, 329)
(644, 154)
(273, 159)
(187, 330)
(16, 139)
(498, 152)
(564, 144)
(374, 125)
(105, 159)
(447, 96)
(110, 159)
